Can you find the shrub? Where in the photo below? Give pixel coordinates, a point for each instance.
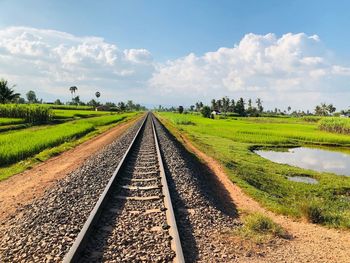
(314, 212)
(261, 224)
(206, 112)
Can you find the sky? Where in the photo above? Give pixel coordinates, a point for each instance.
(289, 53)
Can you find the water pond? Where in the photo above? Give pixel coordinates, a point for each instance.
(321, 160)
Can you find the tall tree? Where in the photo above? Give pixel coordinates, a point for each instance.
(180, 109)
(31, 97)
(7, 94)
(259, 104)
(240, 107)
(73, 90)
(232, 106)
(225, 104)
(213, 104)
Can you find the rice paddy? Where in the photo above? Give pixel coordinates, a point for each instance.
(231, 141)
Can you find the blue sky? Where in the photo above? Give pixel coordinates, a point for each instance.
(171, 30)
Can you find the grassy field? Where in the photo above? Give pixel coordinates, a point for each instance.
(65, 114)
(18, 146)
(9, 121)
(231, 142)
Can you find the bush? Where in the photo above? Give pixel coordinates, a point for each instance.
(261, 224)
(311, 118)
(206, 112)
(314, 212)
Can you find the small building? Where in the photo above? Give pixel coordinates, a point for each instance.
(102, 108)
(216, 112)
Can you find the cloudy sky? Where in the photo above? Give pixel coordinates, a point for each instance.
(179, 52)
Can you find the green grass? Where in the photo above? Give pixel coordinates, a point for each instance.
(9, 121)
(19, 145)
(68, 113)
(230, 141)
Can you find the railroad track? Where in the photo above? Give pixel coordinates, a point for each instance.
(133, 220)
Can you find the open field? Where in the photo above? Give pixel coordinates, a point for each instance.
(231, 142)
(17, 146)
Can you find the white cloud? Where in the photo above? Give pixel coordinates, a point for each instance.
(50, 61)
(293, 69)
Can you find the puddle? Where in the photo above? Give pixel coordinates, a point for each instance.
(302, 179)
(320, 160)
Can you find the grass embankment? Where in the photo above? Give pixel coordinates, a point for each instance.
(35, 144)
(231, 142)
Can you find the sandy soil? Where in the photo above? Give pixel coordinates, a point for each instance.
(310, 243)
(20, 189)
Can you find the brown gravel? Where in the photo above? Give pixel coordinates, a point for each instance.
(310, 243)
(21, 189)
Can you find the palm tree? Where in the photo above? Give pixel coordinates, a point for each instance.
(7, 94)
(97, 94)
(72, 90)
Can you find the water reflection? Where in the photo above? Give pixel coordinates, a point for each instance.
(310, 158)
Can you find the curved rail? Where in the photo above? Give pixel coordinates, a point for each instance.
(73, 254)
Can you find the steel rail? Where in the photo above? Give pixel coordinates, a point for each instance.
(173, 231)
(79, 243)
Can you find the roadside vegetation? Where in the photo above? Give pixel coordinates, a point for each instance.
(32, 131)
(337, 125)
(231, 141)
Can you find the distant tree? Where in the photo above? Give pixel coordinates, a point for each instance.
(58, 102)
(206, 111)
(192, 108)
(180, 109)
(7, 94)
(259, 105)
(73, 90)
(97, 94)
(225, 105)
(240, 107)
(331, 108)
(232, 106)
(20, 100)
(76, 100)
(110, 104)
(121, 106)
(289, 108)
(93, 103)
(130, 105)
(213, 104)
(31, 97)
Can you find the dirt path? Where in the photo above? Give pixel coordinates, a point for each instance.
(22, 188)
(311, 243)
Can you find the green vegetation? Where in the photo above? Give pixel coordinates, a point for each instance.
(19, 145)
(8, 121)
(231, 142)
(31, 113)
(338, 125)
(259, 224)
(69, 113)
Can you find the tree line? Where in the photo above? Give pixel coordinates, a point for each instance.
(8, 95)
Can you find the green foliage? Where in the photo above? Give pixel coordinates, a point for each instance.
(311, 118)
(206, 112)
(31, 113)
(261, 224)
(231, 141)
(7, 94)
(335, 124)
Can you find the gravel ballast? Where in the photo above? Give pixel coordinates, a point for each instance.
(203, 212)
(44, 230)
